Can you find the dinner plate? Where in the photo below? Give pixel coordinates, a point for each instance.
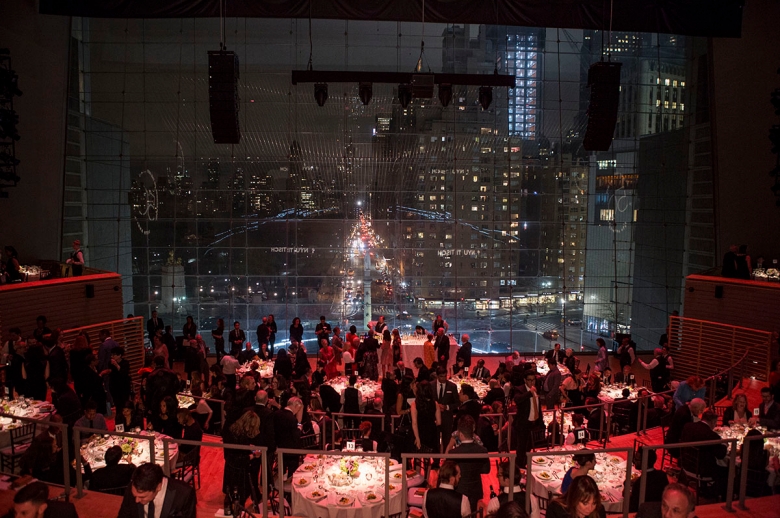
(615, 460)
(309, 467)
(545, 476)
(316, 495)
(345, 501)
(302, 482)
(397, 475)
(540, 460)
(377, 497)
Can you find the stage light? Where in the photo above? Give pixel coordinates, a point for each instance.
(404, 94)
(321, 93)
(445, 94)
(365, 91)
(485, 96)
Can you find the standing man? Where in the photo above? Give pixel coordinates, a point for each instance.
(263, 332)
(153, 324)
(104, 364)
(440, 323)
(602, 360)
(657, 368)
(464, 353)
(322, 330)
(380, 326)
(447, 399)
(237, 338)
(528, 416)
(627, 352)
(470, 483)
(442, 346)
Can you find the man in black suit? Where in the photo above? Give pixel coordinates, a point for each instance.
(556, 353)
(471, 470)
(423, 372)
(708, 456)
(480, 372)
(527, 417)
(150, 490)
(681, 417)
(237, 337)
(465, 351)
(446, 396)
(656, 481)
(114, 475)
(263, 333)
(323, 330)
(160, 383)
(287, 434)
(153, 324)
(267, 437)
(374, 408)
(442, 346)
(58, 364)
(768, 410)
(444, 501)
(401, 371)
(469, 405)
(33, 501)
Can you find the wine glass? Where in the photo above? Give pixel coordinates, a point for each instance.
(369, 476)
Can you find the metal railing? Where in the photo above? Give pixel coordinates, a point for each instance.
(220, 402)
(63, 431)
(732, 464)
(744, 471)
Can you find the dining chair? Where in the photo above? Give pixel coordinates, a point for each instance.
(21, 438)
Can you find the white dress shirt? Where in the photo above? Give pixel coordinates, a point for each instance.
(159, 499)
(465, 506)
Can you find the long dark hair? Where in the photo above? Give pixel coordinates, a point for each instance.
(581, 490)
(424, 391)
(296, 319)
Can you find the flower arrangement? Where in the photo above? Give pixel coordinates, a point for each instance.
(128, 445)
(349, 466)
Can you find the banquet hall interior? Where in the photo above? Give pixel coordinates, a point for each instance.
(332, 259)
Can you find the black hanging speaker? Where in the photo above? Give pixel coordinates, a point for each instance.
(223, 96)
(604, 84)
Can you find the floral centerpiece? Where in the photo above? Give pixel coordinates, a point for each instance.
(349, 466)
(128, 445)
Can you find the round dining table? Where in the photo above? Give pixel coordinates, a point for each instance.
(348, 486)
(134, 450)
(547, 472)
(21, 407)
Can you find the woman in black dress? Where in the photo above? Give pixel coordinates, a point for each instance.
(296, 330)
(13, 272)
(119, 383)
(129, 418)
(164, 420)
(218, 335)
(35, 371)
(272, 330)
(426, 416)
(236, 482)
(283, 365)
(190, 329)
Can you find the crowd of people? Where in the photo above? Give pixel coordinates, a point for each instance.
(426, 412)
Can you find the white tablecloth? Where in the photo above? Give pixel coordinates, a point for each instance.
(609, 393)
(326, 505)
(543, 369)
(31, 408)
(136, 450)
(547, 474)
(479, 387)
(266, 369)
(366, 386)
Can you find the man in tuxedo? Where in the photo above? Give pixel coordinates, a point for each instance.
(469, 405)
(768, 410)
(153, 324)
(464, 352)
(287, 432)
(263, 333)
(677, 502)
(708, 456)
(480, 372)
(684, 415)
(153, 495)
(446, 396)
(114, 475)
(552, 384)
(423, 372)
(237, 337)
(527, 417)
(442, 346)
(556, 354)
(32, 501)
(401, 371)
(470, 483)
(323, 330)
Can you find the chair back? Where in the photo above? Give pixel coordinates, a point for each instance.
(309, 442)
(350, 434)
(539, 438)
(22, 434)
(544, 501)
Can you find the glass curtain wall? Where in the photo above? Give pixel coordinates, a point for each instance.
(496, 219)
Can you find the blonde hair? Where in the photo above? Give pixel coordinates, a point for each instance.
(248, 425)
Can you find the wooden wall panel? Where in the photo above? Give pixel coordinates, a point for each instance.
(750, 304)
(63, 301)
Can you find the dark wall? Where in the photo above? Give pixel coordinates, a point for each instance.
(744, 72)
(39, 48)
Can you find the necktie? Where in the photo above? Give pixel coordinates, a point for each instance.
(441, 391)
(91, 424)
(150, 512)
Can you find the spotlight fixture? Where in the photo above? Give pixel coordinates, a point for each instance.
(404, 94)
(321, 93)
(485, 96)
(365, 91)
(445, 94)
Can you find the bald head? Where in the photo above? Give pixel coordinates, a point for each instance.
(261, 398)
(697, 406)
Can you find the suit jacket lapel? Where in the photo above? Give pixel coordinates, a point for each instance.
(170, 494)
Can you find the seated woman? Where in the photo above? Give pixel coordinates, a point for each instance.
(739, 413)
(593, 386)
(578, 434)
(129, 418)
(164, 420)
(582, 500)
(365, 437)
(584, 462)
